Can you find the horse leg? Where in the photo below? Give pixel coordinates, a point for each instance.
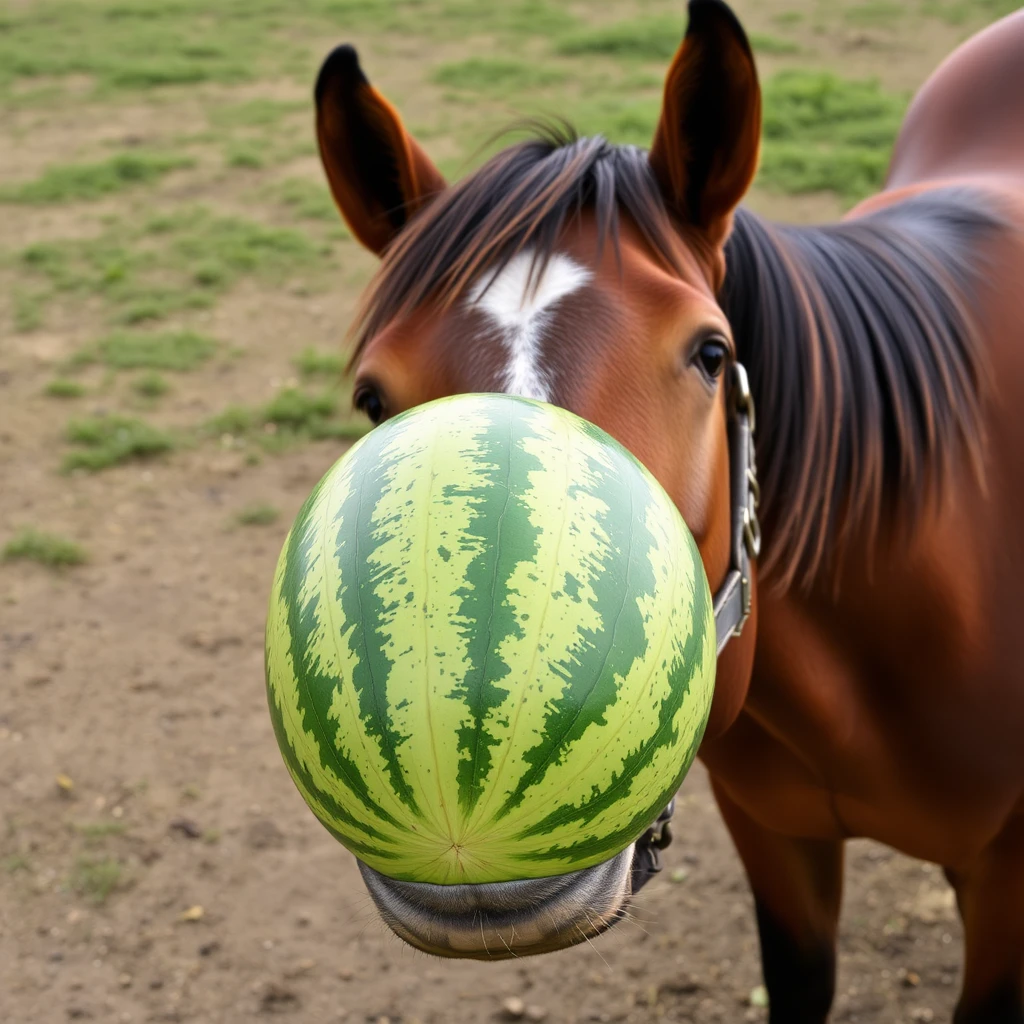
(797, 886)
(990, 894)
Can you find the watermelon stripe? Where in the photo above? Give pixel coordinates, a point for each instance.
(683, 670)
(590, 692)
(314, 687)
(359, 535)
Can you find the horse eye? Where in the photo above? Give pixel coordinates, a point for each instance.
(368, 400)
(712, 356)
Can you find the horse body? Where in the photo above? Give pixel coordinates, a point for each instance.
(878, 687)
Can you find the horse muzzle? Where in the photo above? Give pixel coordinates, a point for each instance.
(498, 920)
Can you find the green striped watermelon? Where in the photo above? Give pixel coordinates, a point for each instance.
(490, 644)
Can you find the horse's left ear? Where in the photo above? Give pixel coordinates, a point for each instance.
(705, 148)
(377, 171)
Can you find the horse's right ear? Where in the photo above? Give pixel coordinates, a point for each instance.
(377, 172)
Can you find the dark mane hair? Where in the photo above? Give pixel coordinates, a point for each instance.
(864, 364)
(857, 336)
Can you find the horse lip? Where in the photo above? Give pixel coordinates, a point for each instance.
(498, 920)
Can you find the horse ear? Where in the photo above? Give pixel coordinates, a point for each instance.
(705, 148)
(377, 172)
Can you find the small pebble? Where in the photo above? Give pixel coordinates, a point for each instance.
(513, 1007)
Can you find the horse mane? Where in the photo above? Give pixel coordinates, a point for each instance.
(866, 368)
(857, 336)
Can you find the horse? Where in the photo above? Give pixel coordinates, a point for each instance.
(870, 680)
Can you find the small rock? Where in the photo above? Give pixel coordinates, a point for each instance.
(910, 979)
(679, 875)
(124, 980)
(536, 1013)
(65, 784)
(299, 968)
(758, 997)
(513, 1007)
(277, 998)
(187, 827)
(922, 1013)
(264, 835)
(345, 973)
(193, 914)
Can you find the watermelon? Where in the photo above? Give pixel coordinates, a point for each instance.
(490, 648)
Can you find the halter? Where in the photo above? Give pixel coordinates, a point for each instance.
(733, 600)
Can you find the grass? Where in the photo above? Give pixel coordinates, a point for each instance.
(256, 113)
(96, 831)
(71, 182)
(105, 441)
(259, 514)
(28, 311)
(502, 74)
(293, 415)
(96, 878)
(45, 548)
(184, 260)
(822, 132)
(311, 362)
(180, 351)
(306, 200)
(150, 385)
(875, 12)
(650, 39)
(63, 387)
(247, 156)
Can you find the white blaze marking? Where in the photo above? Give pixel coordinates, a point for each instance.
(521, 313)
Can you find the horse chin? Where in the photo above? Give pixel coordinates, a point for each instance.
(498, 920)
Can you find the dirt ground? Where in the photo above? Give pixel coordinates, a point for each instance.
(134, 737)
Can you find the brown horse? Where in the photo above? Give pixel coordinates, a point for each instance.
(878, 686)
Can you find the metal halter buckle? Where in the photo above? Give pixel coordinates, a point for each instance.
(735, 598)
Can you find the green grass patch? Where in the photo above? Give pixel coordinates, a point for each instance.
(306, 199)
(151, 385)
(961, 12)
(28, 311)
(501, 74)
(135, 350)
(69, 182)
(259, 514)
(96, 831)
(96, 878)
(45, 548)
(825, 133)
(257, 113)
(171, 263)
(292, 416)
(16, 862)
(311, 362)
(875, 12)
(64, 387)
(650, 39)
(105, 441)
(246, 156)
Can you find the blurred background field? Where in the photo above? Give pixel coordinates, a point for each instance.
(175, 287)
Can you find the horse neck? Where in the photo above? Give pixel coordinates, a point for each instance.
(865, 368)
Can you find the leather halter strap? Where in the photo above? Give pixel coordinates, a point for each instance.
(733, 600)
